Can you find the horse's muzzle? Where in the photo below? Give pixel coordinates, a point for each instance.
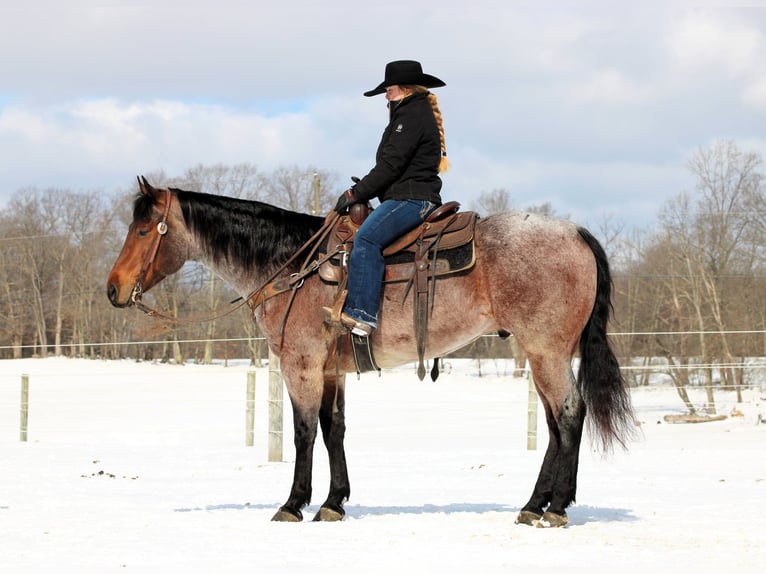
(113, 294)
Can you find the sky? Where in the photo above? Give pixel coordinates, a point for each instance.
(592, 106)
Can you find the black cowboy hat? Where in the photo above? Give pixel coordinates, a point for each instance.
(405, 73)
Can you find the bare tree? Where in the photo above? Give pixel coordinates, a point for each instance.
(715, 237)
(39, 253)
(295, 188)
(496, 201)
(14, 312)
(545, 209)
(242, 180)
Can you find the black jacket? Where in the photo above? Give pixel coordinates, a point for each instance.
(407, 160)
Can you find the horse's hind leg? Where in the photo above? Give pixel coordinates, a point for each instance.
(332, 419)
(556, 484)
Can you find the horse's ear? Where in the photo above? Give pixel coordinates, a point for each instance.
(144, 186)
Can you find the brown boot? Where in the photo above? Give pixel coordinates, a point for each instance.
(359, 328)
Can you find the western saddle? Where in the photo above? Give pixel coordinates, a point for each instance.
(442, 245)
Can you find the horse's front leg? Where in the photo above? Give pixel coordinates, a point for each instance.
(305, 428)
(332, 419)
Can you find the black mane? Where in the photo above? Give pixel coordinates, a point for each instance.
(248, 233)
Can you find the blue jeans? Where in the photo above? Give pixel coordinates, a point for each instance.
(366, 266)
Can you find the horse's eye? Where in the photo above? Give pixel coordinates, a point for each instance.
(143, 232)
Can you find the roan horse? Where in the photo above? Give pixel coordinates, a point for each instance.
(545, 281)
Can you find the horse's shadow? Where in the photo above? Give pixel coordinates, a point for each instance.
(578, 515)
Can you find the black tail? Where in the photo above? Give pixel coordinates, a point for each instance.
(599, 379)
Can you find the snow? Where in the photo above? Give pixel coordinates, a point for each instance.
(143, 467)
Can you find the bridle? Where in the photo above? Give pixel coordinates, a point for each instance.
(138, 289)
(162, 229)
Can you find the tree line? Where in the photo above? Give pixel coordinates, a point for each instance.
(690, 291)
(58, 246)
(693, 291)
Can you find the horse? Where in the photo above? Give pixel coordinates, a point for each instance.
(545, 281)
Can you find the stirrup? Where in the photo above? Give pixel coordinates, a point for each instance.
(358, 328)
(332, 314)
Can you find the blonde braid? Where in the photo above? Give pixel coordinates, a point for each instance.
(443, 163)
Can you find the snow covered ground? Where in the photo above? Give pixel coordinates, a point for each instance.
(143, 467)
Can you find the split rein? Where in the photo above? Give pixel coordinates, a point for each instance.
(271, 287)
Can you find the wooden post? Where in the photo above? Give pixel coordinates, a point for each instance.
(250, 409)
(531, 412)
(275, 409)
(316, 186)
(24, 407)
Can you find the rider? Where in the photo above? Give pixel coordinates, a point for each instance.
(405, 179)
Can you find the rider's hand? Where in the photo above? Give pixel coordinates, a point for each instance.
(346, 199)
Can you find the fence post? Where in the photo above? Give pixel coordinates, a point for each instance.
(531, 411)
(250, 409)
(275, 409)
(24, 407)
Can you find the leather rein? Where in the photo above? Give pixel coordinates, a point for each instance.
(271, 287)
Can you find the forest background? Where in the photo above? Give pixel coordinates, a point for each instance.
(689, 291)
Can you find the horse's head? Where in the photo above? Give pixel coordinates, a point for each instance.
(152, 249)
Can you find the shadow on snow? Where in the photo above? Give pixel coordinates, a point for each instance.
(578, 515)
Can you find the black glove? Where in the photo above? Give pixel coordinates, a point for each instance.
(346, 199)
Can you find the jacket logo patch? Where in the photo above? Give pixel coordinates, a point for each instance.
(399, 128)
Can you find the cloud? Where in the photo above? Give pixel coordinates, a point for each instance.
(755, 93)
(104, 142)
(611, 87)
(704, 39)
(723, 46)
(589, 104)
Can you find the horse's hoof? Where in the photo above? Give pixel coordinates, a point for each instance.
(527, 517)
(551, 520)
(326, 514)
(283, 515)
